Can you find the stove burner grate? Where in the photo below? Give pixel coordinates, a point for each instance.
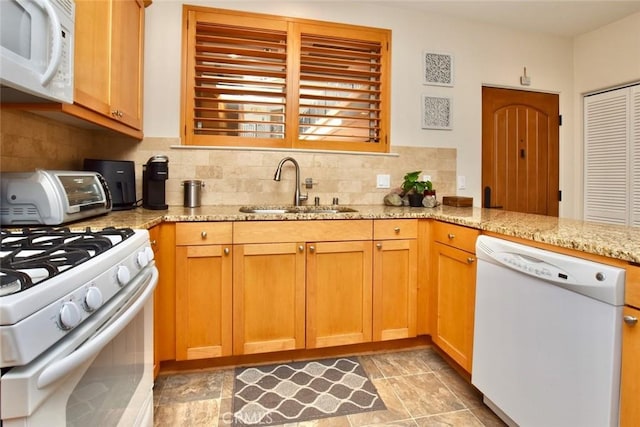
(31, 256)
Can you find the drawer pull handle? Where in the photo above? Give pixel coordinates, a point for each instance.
(203, 234)
(379, 245)
(300, 248)
(397, 230)
(451, 236)
(226, 251)
(470, 260)
(312, 248)
(630, 320)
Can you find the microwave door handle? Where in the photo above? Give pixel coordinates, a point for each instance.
(93, 346)
(56, 47)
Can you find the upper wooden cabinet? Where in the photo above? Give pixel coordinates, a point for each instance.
(108, 68)
(108, 58)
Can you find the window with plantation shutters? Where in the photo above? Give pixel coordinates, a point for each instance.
(340, 89)
(256, 80)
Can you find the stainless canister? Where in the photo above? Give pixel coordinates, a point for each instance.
(192, 193)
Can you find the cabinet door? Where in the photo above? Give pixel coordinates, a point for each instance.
(394, 289)
(453, 274)
(268, 297)
(203, 301)
(163, 243)
(339, 293)
(92, 55)
(108, 58)
(630, 386)
(126, 62)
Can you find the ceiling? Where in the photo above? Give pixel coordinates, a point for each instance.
(567, 18)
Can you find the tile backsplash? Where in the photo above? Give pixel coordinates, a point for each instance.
(231, 176)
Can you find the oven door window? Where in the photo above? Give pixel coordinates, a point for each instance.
(110, 383)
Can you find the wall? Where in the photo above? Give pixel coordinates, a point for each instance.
(604, 58)
(231, 177)
(483, 54)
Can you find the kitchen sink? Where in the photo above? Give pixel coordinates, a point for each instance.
(274, 210)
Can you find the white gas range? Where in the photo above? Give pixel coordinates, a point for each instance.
(76, 327)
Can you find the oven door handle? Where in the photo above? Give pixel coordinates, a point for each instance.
(92, 347)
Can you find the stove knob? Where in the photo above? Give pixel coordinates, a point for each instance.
(142, 259)
(69, 315)
(93, 299)
(150, 254)
(123, 275)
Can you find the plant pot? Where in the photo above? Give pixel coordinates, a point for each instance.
(415, 200)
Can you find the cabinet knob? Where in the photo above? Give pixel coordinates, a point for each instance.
(451, 236)
(470, 260)
(312, 248)
(379, 245)
(630, 320)
(300, 248)
(203, 234)
(154, 243)
(226, 251)
(397, 230)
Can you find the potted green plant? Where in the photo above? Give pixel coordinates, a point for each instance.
(414, 189)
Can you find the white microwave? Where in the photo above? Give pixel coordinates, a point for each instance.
(36, 50)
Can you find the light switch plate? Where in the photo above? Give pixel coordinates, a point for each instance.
(383, 181)
(462, 182)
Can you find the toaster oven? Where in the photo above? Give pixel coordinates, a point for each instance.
(52, 197)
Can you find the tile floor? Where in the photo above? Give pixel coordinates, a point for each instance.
(418, 387)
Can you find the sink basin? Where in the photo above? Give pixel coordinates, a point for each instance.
(274, 210)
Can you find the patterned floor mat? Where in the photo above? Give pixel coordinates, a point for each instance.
(300, 391)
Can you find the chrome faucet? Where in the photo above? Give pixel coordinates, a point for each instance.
(297, 197)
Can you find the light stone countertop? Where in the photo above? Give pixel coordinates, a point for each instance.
(612, 241)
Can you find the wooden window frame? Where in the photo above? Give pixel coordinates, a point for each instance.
(295, 29)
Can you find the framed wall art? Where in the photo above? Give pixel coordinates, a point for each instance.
(436, 112)
(437, 69)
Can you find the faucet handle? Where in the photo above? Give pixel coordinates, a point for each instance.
(304, 197)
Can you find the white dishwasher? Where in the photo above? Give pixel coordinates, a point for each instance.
(547, 336)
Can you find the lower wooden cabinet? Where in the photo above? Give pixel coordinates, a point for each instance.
(453, 278)
(203, 290)
(268, 297)
(630, 384)
(162, 239)
(339, 293)
(395, 282)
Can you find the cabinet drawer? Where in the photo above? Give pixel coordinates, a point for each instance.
(301, 231)
(456, 235)
(632, 286)
(385, 229)
(203, 233)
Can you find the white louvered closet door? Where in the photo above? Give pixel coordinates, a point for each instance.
(635, 155)
(612, 156)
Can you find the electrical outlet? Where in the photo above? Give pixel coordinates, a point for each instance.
(383, 181)
(426, 177)
(462, 182)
